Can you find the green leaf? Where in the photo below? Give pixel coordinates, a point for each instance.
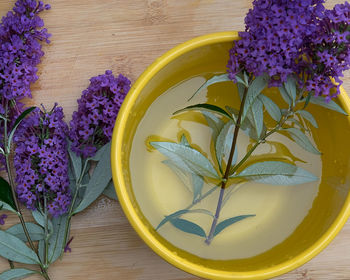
(36, 232)
(14, 249)
(271, 107)
(224, 224)
(110, 191)
(187, 158)
(16, 273)
(258, 116)
(292, 120)
(193, 182)
(276, 173)
(291, 88)
(214, 123)
(179, 213)
(205, 107)
(6, 196)
(308, 116)
(76, 162)
(17, 123)
(98, 181)
(307, 100)
(184, 141)
(302, 140)
(215, 79)
(188, 227)
(101, 152)
(285, 96)
(41, 249)
(258, 84)
(40, 219)
(321, 101)
(224, 143)
(56, 240)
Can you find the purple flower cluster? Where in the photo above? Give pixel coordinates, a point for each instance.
(327, 52)
(283, 37)
(41, 161)
(20, 35)
(92, 125)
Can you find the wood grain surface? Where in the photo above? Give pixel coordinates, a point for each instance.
(90, 36)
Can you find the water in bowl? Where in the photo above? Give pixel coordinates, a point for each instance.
(159, 192)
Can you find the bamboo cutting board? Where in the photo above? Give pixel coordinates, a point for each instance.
(126, 36)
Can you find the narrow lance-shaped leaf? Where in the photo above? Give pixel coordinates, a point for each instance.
(14, 249)
(255, 88)
(271, 107)
(224, 143)
(302, 140)
(16, 273)
(188, 227)
(98, 181)
(205, 107)
(6, 199)
(214, 80)
(187, 158)
(308, 116)
(214, 123)
(291, 88)
(276, 173)
(56, 242)
(76, 163)
(285, 95)
(179, 213)
(224, 224)
(321, 101)
(258, 116)
(110, 191)
(40, 219)
(36, 232)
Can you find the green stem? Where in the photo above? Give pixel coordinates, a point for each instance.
(46, 250)
(227, 171)
(71, 208)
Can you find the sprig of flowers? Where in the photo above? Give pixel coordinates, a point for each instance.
(298, 46)
(41, 161)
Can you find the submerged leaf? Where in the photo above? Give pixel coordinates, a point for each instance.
(276, 173)
(16, 273)
(188, 227)
(256, 87)
(187, 158)
(179, 213)
(308, 116)
(214, 123)
(302, 140)
(205, 107)
(321, 101)
(258, 116)
(224, 224)
(224, 143)
(271, 107)
(214, 80)
(14, 249)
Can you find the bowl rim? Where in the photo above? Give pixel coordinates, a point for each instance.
(131, 213)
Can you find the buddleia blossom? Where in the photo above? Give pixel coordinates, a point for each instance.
(273, 38)
(327, 52)
(92, 125)
(285, 37)
(3, 217)
(20, 35)
(41, 161)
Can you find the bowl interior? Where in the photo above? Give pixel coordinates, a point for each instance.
(329, 209)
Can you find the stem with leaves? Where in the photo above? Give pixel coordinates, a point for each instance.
(227, 171)
(8, 155)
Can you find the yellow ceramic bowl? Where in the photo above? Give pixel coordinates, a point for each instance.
(329, 211)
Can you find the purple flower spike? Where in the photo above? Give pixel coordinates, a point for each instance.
(41, 161)
(92, 125)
